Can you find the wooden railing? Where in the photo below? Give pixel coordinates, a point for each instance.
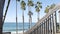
(46, 25)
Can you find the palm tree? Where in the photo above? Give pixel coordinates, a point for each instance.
(30, 18)
(49, 7)
(16, 18)
(30, 3)
(52, 6)
(23, 4)
(38, 7)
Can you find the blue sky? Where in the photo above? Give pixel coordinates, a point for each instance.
(11, 14)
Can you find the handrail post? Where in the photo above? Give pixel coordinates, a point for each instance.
(48, 25)
(49, 19)
(52, 23)
(54, 16)
(44, 27)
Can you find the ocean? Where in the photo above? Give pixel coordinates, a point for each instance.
(11, 26)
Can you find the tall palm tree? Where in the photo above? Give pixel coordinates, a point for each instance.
(30, 18)
(23, 4)
(30, 3)
(38, 7)
(16, 18)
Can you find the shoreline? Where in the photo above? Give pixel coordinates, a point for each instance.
(13, 32)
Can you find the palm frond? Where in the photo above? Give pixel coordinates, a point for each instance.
(39, 2)
(47, 9)
(35, 6)
(30, 13)
(17, 0)
(23, 4)
(37, 9)
(52, 6)
(40, 6)
(30, 3)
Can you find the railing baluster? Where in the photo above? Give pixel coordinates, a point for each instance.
(34, 31)
(37, 29)
(48, 25)
(44, 27)
(40, 30)
(52, 24)
(55, 21)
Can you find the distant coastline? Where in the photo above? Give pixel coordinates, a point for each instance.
(11, 26)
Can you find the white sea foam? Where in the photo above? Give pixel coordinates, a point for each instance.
(19, 32)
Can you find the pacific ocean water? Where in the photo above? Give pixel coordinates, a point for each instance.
(11, 26)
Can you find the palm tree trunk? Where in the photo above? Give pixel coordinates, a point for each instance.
(16, 19)
(23, 20)
(1, 14)
(29, 22)
(29, 17)
(38, 16)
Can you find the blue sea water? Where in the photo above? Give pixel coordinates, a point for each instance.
(11, 26)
